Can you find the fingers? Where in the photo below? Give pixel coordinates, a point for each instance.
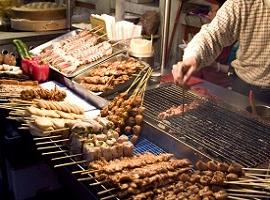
(181, 73)
(188, 74)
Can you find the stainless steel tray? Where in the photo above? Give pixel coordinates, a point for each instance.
(119, 88)
(117, 49)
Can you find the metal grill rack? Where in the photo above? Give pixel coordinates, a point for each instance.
(59, 156)
(214, 129)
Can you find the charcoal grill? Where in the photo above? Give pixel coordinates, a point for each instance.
(59, 154)
(213, 128)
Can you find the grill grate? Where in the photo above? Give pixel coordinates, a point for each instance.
(216, 130)
(143, 145)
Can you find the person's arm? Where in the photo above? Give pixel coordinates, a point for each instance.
(208, 43)
(212, 38)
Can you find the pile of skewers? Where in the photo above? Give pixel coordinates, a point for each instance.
(68, 54)
(148, 176)
(126, 111)
(110, 74)
(41, 93)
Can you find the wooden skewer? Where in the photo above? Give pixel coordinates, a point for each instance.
(102, 36)
(106, 191)
(49, 147)
(249, 184)
(236, 198)
(109, 197)
(249, 180)
(78, 172)
(98, 30)
(70, 163)
(23, 128)
(51, 142)
(261, 175)
(56, 130)
(85, 179)
(116, 43)
(69, 156)
(47, 137)
(94, 28)
(91, 171)
(248, 191)
(256, 169)
(250, 195)
(54, 152)
(97, 183)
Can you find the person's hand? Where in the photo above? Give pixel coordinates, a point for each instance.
(183, 70)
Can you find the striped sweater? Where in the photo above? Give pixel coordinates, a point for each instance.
(246, 21)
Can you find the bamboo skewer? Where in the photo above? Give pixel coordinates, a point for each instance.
(49, 147)
(51, 142)
(54, 152)
(102, 36)
(78, 172)
(85, 179)
(98, 30)
(248, 191)
(235, 198)
(90, 171)
(47, 137)
(106, 191)
(97, 183)
(64, 157)
(256, 169)
(71, 163)
(109, 197)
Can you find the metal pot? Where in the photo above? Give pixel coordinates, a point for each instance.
(262, 110)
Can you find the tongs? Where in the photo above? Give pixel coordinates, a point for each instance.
(252, 102)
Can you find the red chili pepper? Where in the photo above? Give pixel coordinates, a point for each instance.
(36, 69)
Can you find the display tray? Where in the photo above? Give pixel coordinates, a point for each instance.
(118, 88)
(117, 49)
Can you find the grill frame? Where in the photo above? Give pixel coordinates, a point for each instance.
(181, 128)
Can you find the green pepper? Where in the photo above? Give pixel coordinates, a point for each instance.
(22, 48)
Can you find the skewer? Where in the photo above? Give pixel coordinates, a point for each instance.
(57, 130)
(102, 36)
(109, 197)
(248, 191)
(98, 30)
(94, 28)
(250, 195)
(51, 142)
(250, 180)
(106, 191)
(116, 43)
(78, 172)
(24, 128)
(236, 198)
(49, 147)
(54, 152)
(47, 137)
(262, 175)
(256, 169)
(249, 184)
(97, 183)
(64, 157)
(70, 163)
(90, 171)
(85, 179)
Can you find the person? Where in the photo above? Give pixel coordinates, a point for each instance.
(245, 21)
(216, 72)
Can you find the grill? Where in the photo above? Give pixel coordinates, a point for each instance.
(215, 129)
(59, 154)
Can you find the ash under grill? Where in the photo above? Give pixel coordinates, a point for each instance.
(216, 130)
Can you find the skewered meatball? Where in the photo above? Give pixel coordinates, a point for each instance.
(232, 177)
(205, 180)
(205, 192)
(222, 167)
(218, 178)
(201, 166)
(221, 195)
(235, 168)
(212, 165)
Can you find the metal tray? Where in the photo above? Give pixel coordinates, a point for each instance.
(117, 49)
(119, 88)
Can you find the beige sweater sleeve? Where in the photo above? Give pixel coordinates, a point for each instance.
(212, 38)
